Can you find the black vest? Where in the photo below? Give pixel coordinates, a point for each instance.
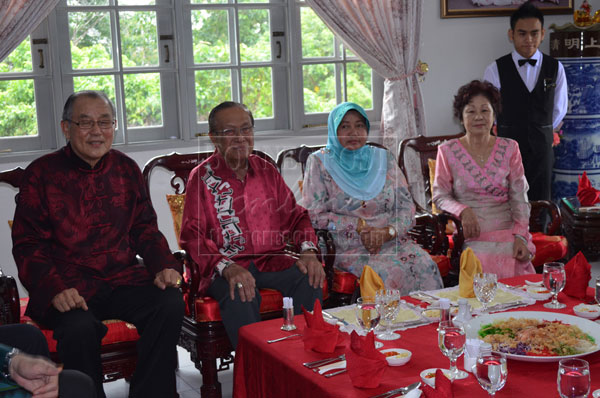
(527, 116)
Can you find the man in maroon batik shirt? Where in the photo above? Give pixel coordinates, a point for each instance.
(238, 216)
(83, 213)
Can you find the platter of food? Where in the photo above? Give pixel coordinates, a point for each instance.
(534, 336)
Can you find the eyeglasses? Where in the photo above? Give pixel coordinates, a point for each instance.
(236, 131)
(89, 124)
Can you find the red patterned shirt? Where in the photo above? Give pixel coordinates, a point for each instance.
(226, 219)
(81, 227)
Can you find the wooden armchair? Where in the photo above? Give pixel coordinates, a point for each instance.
(203, 333)
(119, 352)
(426, 233)
(549, 247)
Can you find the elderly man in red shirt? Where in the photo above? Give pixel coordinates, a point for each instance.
(82, 215)
(238, 216)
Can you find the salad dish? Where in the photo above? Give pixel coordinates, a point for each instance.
(536, 336)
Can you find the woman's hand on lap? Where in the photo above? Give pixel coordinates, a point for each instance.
(470, 223)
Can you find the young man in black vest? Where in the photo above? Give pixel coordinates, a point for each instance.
(534, 97)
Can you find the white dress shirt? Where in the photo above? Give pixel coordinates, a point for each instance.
(529, 74)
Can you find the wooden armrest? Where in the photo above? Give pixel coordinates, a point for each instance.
(458, 237)
(328, 258)
(537, 209)
(428, 233)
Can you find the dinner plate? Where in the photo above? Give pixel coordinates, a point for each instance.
(591, 328)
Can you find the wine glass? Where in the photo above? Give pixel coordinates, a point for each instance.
(491, 372)
(573, 379)
(367, 313)
(554, 280)
(389, 305)
(451, 340)
(484, 286)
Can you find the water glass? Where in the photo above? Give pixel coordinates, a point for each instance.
(554, 280)
(597, 295)
(484, 286)
(451, 340)
(367, 313)
(491, 372)
(389, 305)
(573, 379)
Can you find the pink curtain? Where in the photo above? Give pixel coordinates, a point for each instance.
(18, 18)
(385, 34)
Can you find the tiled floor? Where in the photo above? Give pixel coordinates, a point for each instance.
(188, 381)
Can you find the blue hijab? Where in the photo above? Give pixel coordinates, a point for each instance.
(360, 173)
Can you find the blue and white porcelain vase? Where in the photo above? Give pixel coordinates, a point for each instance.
(579, 149)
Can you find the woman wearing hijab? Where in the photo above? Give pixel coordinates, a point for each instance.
(357, 192)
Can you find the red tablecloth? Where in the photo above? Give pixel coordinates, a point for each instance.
(275, 370)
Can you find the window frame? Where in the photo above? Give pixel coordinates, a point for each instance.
(54, 83)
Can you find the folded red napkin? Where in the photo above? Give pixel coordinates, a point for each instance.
(365, 365)
(578, 272)
(587, 195)
(443, 387)
(319, 335)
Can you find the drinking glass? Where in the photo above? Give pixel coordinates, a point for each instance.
(389, 305)
(491, 372)
(484, 286)
(367, 313)
(573, 379)
(554, 280)
(451, 340)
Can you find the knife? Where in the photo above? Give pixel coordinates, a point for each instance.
(403, 390)
(331, 366)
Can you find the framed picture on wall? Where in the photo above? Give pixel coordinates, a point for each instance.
(494, 8)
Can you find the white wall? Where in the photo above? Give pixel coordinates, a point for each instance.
(457, 51)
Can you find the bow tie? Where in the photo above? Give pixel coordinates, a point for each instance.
(527, 61)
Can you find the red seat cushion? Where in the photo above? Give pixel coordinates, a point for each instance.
(118, 331)
(443, 263)
(548, 248)
(207, 308)
(344, 282)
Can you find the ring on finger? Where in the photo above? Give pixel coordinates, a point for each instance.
(239, 285)
(178, 282)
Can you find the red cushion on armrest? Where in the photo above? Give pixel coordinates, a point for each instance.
(118, 331)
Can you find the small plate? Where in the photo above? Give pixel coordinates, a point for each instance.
(596, 394)
(538, 292)
(428, 376)
(587, 311)
(433, 313)
(396, 356)
(530, 283)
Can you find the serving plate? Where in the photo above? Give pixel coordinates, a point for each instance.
(591, 328)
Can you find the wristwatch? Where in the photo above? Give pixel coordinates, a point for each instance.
(6, 365)
(308, 246)
(391, 231)
(222, 265)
